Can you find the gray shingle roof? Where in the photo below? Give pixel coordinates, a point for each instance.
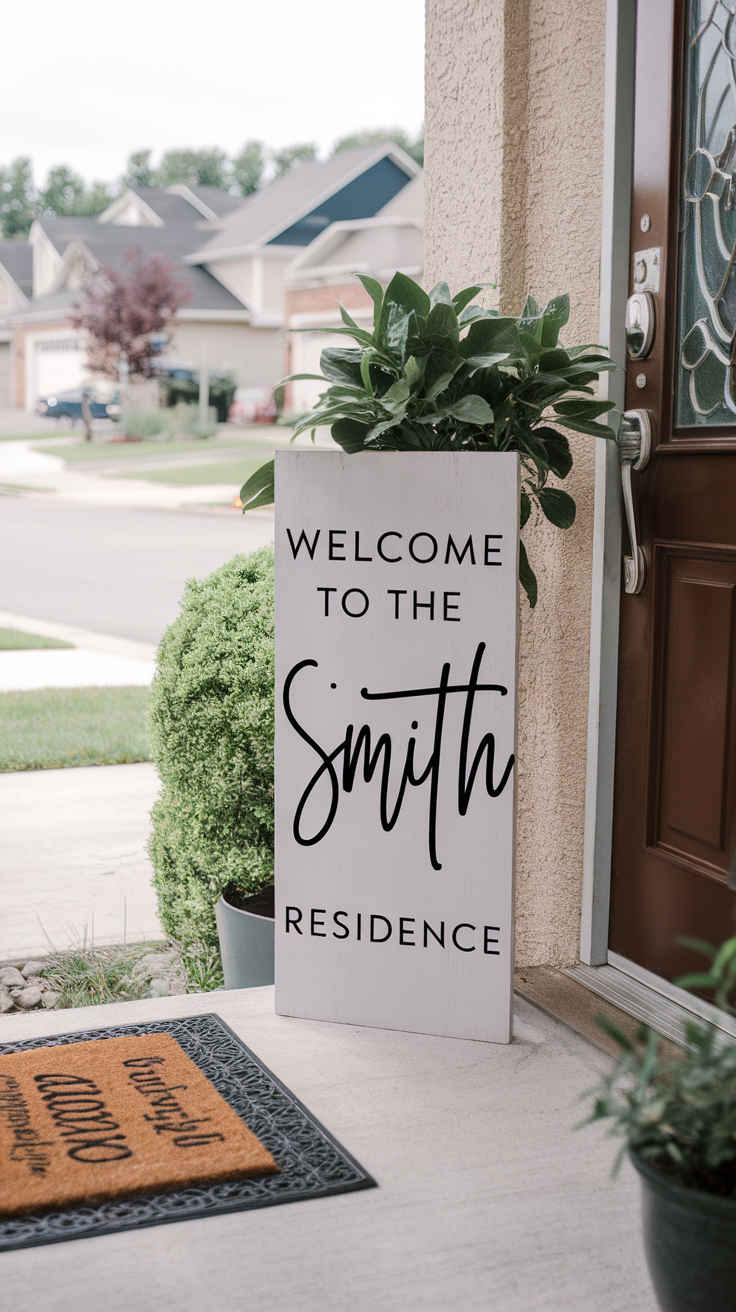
(220, 202)
(17, 258)
(278, 206)
(170, 207)
(108, 242)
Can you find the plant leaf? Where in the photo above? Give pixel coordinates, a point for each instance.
(350, 435)
(582, 409)
(397, 331)
(259, 489)
(414, 369)
(559, 456)
(405, 295)
(557, 506)
(440, 295)
(464, 297)
(526, 508)
(555, 316)
(442, 322)
(439, 386)
(527, 577)
(375, 291)
(341, 364)
(490, 335)
(471, 409)
(365, 372)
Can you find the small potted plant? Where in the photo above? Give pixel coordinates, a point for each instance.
(677, 1117)
(441, 373)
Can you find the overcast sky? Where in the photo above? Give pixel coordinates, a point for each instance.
(86, 82)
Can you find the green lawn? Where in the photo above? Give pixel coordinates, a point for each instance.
(14, 640)
(56, 727)
(225, 471)
(15, 489)
(264, 437)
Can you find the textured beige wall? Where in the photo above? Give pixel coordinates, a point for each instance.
(513, 168)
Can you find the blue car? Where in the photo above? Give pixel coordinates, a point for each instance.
(68, 404)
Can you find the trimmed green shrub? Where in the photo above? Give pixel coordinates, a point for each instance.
(212, 725)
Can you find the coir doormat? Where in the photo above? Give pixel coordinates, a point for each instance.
(273, 1147)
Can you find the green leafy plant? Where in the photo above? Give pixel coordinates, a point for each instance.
(440, 373)
(678, 1112)
(212, 727)
(721, 978)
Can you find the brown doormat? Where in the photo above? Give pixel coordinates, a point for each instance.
(111, 1118)
(311, 1162)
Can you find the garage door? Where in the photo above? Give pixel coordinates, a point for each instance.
(59, 364)
(6, 396)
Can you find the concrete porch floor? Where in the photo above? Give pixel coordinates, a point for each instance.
(487, 1200)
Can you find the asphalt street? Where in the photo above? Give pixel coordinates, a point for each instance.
(117, 570)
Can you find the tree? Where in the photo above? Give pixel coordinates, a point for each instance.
(248, 167)
(284, 161)
(123, 307)
(65, 193)
(139, 172)
(195, 168)
(17, 199)
(376, 136)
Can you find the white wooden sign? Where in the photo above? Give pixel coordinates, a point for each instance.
(396, 618)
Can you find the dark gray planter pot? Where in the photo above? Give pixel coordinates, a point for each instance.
(246, 947)
(690, 1242)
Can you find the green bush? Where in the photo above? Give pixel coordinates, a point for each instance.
(145, 424)
(212, 727)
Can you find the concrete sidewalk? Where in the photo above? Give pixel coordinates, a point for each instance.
(73, 854)
(487, 1201)
(97, 661)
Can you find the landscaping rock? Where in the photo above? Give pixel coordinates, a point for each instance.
(29, 997)
(33, 968)
(11, 977)
(6, 1002)
(159, 988)
(49, 998)
(153, 964)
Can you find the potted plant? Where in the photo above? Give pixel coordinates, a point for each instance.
(212, 725)
(441, 373)
(677, 1118)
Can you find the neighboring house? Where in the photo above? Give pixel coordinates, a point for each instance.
(256, 243)
(323, 274)
(16, 287)
(231, 251)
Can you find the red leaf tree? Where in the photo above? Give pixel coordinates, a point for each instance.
(122, 308)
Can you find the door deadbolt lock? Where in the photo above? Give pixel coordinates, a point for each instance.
(634, 447)
(639, 325)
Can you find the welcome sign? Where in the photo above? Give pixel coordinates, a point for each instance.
(396, 618)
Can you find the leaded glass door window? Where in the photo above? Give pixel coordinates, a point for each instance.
(707, 246)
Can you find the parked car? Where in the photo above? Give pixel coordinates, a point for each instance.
(68, 404)
(252, 405)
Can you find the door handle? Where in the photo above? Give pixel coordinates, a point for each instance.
(634, 446)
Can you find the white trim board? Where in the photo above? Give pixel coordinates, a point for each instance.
(649, 998)
(606, 584)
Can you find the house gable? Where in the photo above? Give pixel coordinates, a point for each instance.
(361, 198)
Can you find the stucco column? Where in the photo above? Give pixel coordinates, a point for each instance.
(513, 172)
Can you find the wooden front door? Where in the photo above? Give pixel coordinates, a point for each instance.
(675, 788)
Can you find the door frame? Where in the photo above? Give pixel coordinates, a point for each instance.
(618, 148)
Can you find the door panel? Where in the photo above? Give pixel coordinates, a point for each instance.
(693, 729)
(676, 730)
